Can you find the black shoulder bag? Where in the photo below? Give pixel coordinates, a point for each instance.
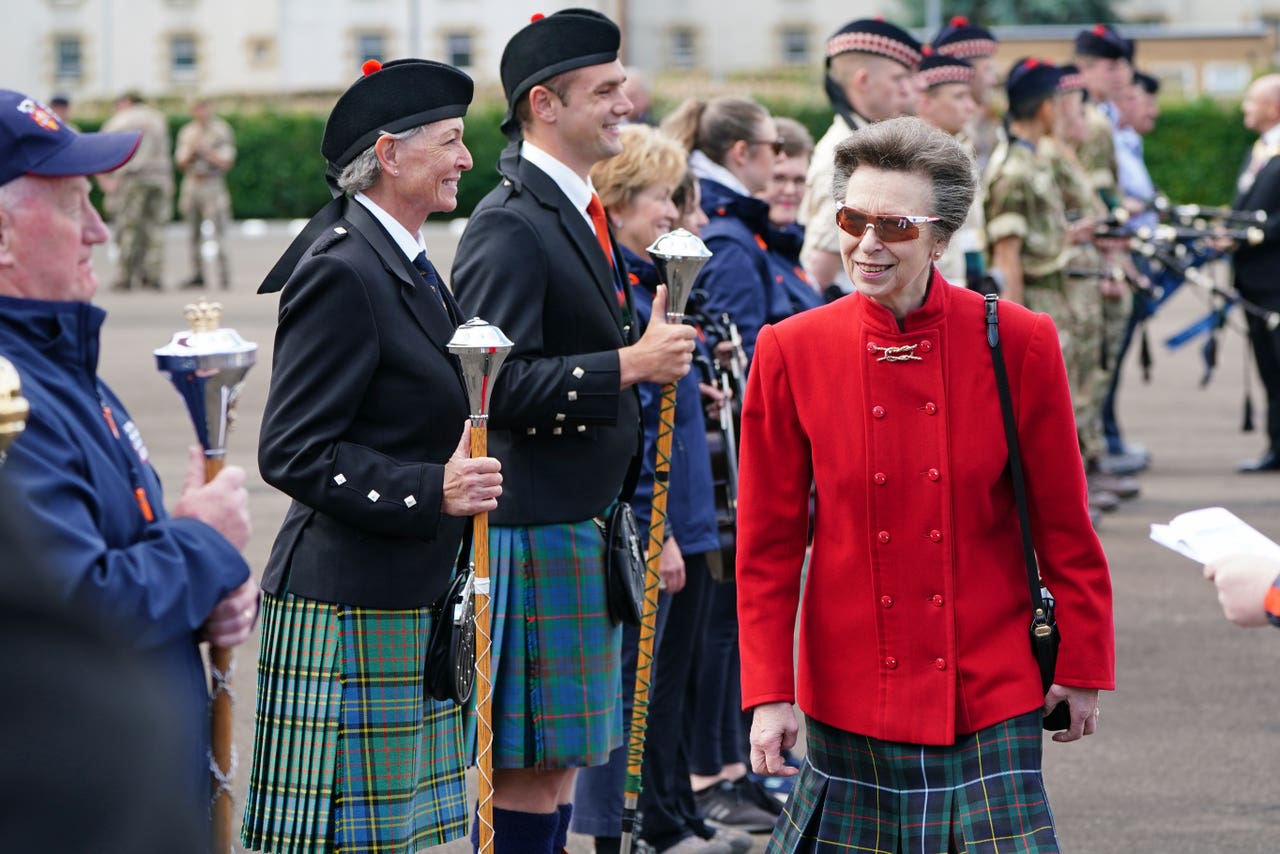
(624, 561)
(450, 669)
(1044, 627)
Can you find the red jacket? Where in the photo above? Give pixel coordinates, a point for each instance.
(914, 622)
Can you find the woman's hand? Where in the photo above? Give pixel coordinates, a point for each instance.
(773, 730)
(1083, 703)
(470, 486)
(671, 567)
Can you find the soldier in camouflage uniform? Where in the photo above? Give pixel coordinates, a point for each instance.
(141, 194)
(869, 79)
(1077, 309)
(1106, 64)
(205, 151)
(1026, 217)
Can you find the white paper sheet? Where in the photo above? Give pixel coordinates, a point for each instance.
(1214, 532)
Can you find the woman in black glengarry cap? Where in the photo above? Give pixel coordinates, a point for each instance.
(365, 430)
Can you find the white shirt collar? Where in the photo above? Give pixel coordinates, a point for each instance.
(1272, 136)
(410, 244)
(704, 167)
(577, 191)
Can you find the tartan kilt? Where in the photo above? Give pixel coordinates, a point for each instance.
(347, 755)
(982, 795)
(556, 655)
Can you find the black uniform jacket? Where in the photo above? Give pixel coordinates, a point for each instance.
(530, 264)
(366, 406)
(1257, 268)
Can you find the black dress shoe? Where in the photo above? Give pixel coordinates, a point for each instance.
(1270, 461)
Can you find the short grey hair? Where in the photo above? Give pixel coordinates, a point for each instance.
(910, 144)
(363, 172)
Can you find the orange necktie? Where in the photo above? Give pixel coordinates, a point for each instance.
(595, 209)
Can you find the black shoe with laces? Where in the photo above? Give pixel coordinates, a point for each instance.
(727, 804)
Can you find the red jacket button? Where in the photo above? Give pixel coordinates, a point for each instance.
(940, 663)
(937, 600)
(930, 408)
(886, 601)
(883, 536)
(879, 478)
(890, 662)
(934, 474)
(877, 411)
(935, 535)
(926, 346)
(871, 347)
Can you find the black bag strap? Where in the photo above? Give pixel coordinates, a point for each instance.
(1015, 459)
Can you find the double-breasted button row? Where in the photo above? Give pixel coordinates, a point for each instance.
(880, 478)
(928, 408)
(884, 537)
(891, 663)
(935, 600)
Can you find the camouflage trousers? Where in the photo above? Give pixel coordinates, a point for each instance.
(141, 210)
(1075, 304)
(206, 200)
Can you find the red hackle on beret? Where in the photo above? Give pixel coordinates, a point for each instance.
(536, 16)
(369, 66)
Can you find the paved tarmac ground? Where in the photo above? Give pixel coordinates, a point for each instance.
(1187, 757)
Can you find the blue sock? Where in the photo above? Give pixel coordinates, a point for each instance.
(521, 832)
(562, 834)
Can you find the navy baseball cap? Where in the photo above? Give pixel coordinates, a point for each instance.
(34, 141)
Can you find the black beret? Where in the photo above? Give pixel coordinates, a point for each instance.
(1031, 78)
(873, 35)
(551, 45)
(1149, 84)
(963, 39)
(392, 97)
(1071, 80)
(1102, 41)
(937, 69)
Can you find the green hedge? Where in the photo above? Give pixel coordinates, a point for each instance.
(1194, 155)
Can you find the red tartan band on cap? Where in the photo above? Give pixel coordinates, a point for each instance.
(872, 43)
(1071, 83)
(968, 48)
(946, 74)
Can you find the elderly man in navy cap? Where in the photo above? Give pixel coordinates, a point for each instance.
(869, 78)
(162, 581)
(537, 259)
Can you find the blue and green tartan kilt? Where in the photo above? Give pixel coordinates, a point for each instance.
(347, 755)
(556, 655)
(982, 795)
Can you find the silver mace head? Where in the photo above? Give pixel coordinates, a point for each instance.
(207, 365)
(13, 406)
(679, 256)
(481, 349)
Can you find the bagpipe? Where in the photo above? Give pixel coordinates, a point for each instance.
(1173, 252)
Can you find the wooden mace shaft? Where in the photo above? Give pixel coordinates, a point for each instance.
(220, 660)
(484, 685)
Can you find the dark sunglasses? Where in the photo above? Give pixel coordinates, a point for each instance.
(776, 144)
(890, 228)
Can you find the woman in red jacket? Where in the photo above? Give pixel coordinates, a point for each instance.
(922, 698)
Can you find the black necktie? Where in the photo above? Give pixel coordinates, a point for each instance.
(429, 276)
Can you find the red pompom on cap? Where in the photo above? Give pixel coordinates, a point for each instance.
(927, 50)
(959, 21)
(370, 66)
(535, 17)
(1099, 30)
(1031, 63)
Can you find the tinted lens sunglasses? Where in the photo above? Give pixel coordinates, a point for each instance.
(890, 228)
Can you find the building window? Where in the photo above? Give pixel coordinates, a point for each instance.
(261, 52)
(458, 50)
(68, 64)
(795, 46)
(182, 57)
(684, 47)
(1226, 78)
(370, 46)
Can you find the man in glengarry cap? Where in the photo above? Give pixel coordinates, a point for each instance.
(870, 66)
(537, 260)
